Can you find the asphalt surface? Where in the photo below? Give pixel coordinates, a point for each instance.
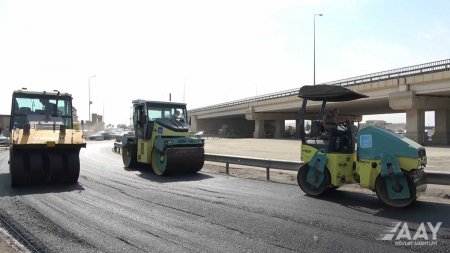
(116, 210)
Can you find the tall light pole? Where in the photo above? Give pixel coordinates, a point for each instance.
(90, 102)
(315, 46)
(184, 91)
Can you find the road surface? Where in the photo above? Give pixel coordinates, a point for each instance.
(116, 210)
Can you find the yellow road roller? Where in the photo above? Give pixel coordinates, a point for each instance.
(44, 146)
(161, 139)
(377, 159)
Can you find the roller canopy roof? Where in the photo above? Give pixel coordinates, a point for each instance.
(331, 93)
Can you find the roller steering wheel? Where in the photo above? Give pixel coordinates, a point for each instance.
(344, 125)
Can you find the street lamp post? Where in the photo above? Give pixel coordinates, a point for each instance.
(315, 46)
(89, 92)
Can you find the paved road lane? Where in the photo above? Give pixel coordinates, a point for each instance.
(117, 210)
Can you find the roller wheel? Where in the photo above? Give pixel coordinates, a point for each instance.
(194, 170)
(36, 167)
(72, 167)
(56, 167)
(380, 188)
(308, 188)
(19, 176)
(159, 162)
(184, 160)
(129, 156)
(197, 165)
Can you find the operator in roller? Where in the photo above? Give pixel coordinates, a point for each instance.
(330, 123)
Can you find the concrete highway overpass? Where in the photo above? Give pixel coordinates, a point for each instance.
(411, 90)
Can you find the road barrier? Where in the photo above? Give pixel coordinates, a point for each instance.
(433, 177)
(254, 162)
(438, 177)
(117, 147)
(4, 145)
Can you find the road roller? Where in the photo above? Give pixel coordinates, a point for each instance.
(161, 141)
(44, 145)
(377, 159)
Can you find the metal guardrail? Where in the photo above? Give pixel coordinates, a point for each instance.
(255, 162)
(117, 147)
(4, 144)
(438, 177)
(431, 67)
(433, 177)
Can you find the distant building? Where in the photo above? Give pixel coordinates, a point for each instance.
(97, 119)
(95, 125)
(4, 121)
(74, 114)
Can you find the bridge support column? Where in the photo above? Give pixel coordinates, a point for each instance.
(259, 129)
(442, 127)
(279, 129)
(415, 107)
(193, 121)
(297, 128)
(415, 125)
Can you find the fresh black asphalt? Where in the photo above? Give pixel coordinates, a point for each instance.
(113, 209)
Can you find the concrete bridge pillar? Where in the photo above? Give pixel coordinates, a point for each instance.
(415, 125)
(279, 129)
(259, 129)
(193, 127)
(415, 107)
(297, 128)
(442, 127)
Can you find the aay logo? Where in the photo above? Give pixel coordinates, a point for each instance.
(425, 235)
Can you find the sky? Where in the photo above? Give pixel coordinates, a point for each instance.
(207, 52)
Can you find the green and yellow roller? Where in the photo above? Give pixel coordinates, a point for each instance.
(377, 159)
(161, 139)
(44, 146)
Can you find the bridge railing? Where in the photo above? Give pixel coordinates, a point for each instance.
(431, 67)
(286, 93)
